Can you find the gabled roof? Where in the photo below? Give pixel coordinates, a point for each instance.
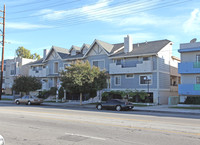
(75, 47)
(108, 47)
(151, 47)
(37, 62)
(85, 45)
(59, 50)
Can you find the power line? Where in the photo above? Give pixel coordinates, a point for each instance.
(26, 4)
(109, 16)
(24, 17)
(55, 5)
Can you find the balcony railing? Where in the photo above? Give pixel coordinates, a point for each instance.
(140, 67)
(189, 89)
(38, 73)
(189, 67)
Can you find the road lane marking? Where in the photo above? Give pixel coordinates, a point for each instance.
(92, 137)
(98, 123)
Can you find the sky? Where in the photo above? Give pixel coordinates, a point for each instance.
(39, 24)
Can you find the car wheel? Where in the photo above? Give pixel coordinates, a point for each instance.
(29, 103)
(99, 107)
(118, 108)
(17, 102)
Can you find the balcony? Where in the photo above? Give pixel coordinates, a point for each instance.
(189, 67)
(189, 89)
(38, 73)
(139, 67)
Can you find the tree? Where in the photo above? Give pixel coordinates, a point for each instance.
(82, 78)
(25, 53)
(35, 56)
(26, 84)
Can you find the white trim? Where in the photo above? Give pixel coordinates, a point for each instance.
(91, 46)
(54, 68)
(52, 48)
(129, 77)
(150, 54)
(196, 78)
(115, 80)
(146, 75)
(99, 60)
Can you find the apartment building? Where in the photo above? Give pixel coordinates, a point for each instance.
(189, 68)
(147, 66)
(13, 68)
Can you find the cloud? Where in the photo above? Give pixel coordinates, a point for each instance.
(103, 10)
(192, 25)
(25, 26)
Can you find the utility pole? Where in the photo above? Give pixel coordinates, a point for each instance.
(3, 42)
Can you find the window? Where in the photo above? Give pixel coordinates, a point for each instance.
(99, 63)
(40, 67)
(129, 76)
(145, 58)
(118, 62)
(117, 80)
(55, 67)
(145, 79)
(198, 80)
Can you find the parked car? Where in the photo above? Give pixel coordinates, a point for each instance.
(116, 104)
(28, 100)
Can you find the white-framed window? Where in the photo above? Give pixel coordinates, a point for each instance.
(99, 63)
(129, 76)
(145, 79)
(117, 80)
(198, 80)
(198, 57)
(118, 61)
(55, 67)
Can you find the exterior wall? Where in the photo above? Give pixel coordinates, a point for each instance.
(164, 80)
(21, 67)
(189, 69)
(103, 57)
(164, 95)
(189, 56)
(134, 83)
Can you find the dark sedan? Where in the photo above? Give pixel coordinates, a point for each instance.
(116, 104)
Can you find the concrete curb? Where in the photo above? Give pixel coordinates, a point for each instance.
(172, 112)
(94, 107)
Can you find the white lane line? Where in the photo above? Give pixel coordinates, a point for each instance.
(92, 137)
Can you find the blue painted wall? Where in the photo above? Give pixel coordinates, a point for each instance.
(133, 83)
(188, 68)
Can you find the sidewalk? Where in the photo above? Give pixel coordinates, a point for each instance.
(157, 108)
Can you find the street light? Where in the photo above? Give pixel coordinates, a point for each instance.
(147, 78)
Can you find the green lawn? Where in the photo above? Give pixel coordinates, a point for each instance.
(186, 107)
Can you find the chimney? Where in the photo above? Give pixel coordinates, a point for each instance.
(128, 44)
(45, 51)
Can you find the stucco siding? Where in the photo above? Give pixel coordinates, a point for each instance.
(189, 56)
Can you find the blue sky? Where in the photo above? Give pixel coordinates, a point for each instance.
(39, 24)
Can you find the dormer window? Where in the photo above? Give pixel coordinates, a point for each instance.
(73, 52)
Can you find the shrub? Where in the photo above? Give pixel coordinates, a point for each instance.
(192, 100)
(61, 93)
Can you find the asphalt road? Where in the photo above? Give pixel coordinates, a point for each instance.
(44, 125)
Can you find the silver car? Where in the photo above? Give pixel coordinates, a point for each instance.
(28, 100)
